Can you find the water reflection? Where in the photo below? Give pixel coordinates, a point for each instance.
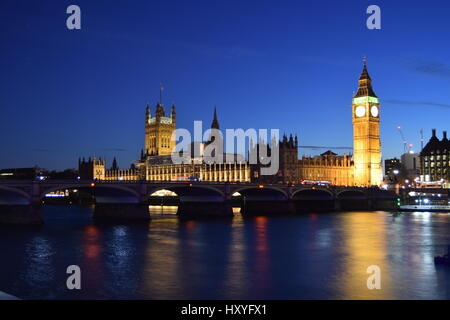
(162, 265)
(91, 260)
(236, 279)
(91, 240)
(121, 256)
(363, 237)
(160, 210)
(313, 256)
(38, 263)
(262, 259)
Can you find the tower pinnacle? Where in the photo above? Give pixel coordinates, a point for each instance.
(215, 122)
(365, 83)
(366, 133)
(161, 89)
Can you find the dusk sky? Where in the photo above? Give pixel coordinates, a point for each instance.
(291, 65)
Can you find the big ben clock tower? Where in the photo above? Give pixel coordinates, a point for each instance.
(366, 133)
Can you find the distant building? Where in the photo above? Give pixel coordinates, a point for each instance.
(390, 165)
(282, 176)
(66, 174)
(411, 164)
(289, 159)
(21, 173)
(92, 169)
(329, 167)
(364, 167)
(155, 163)
(435, 158)
(158, 131)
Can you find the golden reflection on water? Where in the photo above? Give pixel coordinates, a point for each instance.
(162, 210)
(364, 240)
(310, 256)
(248, 263)
(183, 260)
(236, 277)
(163, 267)
(262, 259)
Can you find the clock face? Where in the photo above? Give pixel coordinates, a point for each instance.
(166, 120)
(374, 111)
(360, 111)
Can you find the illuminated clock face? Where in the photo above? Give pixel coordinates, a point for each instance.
(166, 120)
(374, 111)
(360, 111)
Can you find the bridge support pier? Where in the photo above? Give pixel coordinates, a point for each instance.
(371, 204)
(260, 208)
(337, 205)
(21, 214)
(302, 206)
(121, 212)
(205, 209)
(384, 204)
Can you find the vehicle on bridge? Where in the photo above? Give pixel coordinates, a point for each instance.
(431, 184)
(186, 178)
(316, 182)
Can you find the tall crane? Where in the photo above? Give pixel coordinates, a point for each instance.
(421, 139)
(406, 146)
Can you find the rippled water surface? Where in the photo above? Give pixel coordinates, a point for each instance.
(311, 256)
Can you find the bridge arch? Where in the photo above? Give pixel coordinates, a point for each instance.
(266, 190)
(125, 189)
(191, 190)
(163, 192)
(24, 195)
(313, 194)
(351, 194)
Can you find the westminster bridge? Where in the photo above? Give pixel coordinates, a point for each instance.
(21, 200)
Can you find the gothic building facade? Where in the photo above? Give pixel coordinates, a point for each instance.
(155, 163)
(88, 169)
(158, 131)
(435, 158)
(363, 168)
(366, 133)
(289, 159)
(327, 167)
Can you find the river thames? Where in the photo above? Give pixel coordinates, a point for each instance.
(309, 256)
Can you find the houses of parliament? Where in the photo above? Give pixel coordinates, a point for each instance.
(362, 168)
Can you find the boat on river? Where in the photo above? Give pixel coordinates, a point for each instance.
(423, 207)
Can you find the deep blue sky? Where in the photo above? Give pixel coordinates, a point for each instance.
(291, 65)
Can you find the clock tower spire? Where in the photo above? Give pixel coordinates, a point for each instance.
(366, 132)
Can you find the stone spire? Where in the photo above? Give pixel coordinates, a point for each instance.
(215, 122)
(147, 113)
(114, 165)
(365, 83)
